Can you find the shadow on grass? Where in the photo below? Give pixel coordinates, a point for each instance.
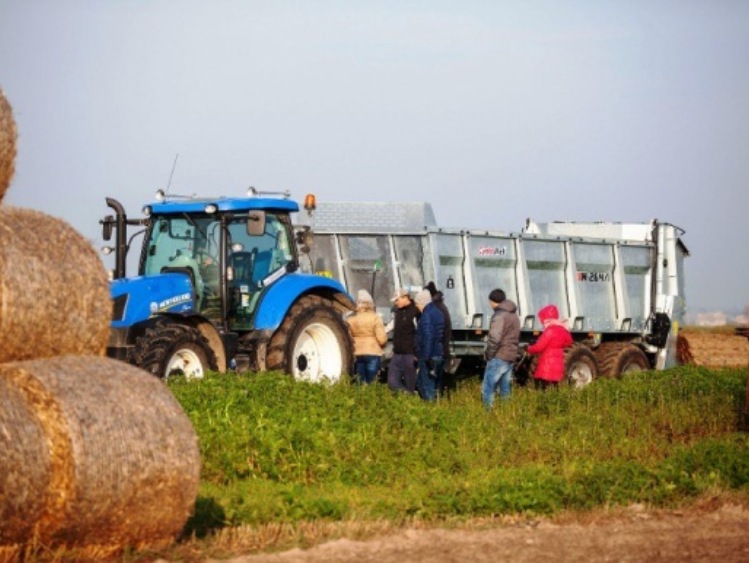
(208, 517)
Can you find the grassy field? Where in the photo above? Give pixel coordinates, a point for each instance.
(281, 457)
(291, 464)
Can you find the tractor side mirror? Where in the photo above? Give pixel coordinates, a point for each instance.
(106, 227)
(256, 223)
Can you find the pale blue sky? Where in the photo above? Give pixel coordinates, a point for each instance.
(493, 111)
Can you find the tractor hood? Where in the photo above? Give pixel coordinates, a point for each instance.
(136, 299)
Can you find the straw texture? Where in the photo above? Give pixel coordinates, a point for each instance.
(8, 135)
(54, 292)
(95, 452)
(23, 445)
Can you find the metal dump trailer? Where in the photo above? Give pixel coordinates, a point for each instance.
(620, 285)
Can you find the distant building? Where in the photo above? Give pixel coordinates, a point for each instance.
(716, 318)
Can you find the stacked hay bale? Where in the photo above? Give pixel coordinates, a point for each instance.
(100, 453)
(8, 136)
(54, 290)
(93, 452)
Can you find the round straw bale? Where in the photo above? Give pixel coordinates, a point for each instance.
(8, 134)
(22, 441)
(98, 453)
(54, 293)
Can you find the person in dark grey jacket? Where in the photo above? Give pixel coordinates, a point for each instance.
(501, 348)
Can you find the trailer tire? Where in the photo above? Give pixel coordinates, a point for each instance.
(617, 359)
(580, 366)
(168, 349)
(313, 343)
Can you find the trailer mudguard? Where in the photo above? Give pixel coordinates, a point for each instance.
(285, 291)
(136, 299)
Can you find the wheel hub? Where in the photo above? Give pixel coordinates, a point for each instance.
(317, 355)
(185, 362)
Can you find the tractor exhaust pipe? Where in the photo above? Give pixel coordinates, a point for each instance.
(119, 222)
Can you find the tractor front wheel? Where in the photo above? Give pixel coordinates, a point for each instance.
(167, 349)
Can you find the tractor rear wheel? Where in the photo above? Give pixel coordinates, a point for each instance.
(168, 349)
(580, 366)
(313, 343)
(617, 359)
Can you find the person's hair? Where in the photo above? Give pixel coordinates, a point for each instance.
(497, 295)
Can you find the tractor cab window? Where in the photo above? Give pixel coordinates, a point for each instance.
(190, 245)
(255, 258)
(254, 261)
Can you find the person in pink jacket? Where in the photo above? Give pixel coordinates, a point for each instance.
(554, 339)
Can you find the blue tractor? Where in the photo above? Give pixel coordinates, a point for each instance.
(218, 287)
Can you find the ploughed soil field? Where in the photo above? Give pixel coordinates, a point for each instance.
(716, 348)
(710, 530)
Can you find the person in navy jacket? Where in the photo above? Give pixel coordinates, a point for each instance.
(429, 349)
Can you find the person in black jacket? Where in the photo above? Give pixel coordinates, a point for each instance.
(401, 368)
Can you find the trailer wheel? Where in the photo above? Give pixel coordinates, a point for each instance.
(168, 349)
(313, 343)
(580, 366)
(617, 359)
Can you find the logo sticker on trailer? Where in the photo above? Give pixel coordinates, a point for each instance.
(492, 250)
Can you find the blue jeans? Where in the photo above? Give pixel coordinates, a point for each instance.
(427, 382)
(402, 373)
(366, 367)
(498, 373)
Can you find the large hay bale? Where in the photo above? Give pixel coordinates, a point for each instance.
(22, 443)
(54, 292)
(95, 452)
(8, 134)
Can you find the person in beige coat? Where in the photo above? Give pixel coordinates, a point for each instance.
(368, 331)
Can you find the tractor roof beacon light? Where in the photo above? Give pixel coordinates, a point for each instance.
(310, 203)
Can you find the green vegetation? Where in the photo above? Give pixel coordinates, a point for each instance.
(278, 451)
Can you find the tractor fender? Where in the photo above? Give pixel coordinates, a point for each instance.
(279, 297)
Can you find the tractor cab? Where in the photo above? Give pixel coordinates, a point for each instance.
(229, 248)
